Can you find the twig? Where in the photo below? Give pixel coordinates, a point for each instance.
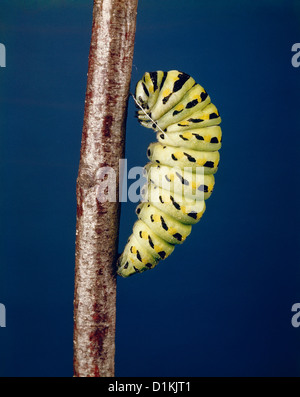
(103, 137)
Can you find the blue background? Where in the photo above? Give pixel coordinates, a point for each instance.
(221, 304)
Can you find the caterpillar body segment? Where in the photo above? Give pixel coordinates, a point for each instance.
(175, 157)
(180, 174)
(187, 184)
(185, 210)
(207, 139)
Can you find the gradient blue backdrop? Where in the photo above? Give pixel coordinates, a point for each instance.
(220, 305)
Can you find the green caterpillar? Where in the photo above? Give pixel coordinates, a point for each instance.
(189, 137)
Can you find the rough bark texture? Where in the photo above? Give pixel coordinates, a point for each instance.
(103, 137)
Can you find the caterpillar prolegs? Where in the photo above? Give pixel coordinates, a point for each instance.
(187, 126)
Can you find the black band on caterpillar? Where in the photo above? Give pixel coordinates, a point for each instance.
(181, 169)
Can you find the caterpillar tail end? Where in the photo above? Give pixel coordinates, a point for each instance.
(133, 260)
(125, 268)
(121, 271)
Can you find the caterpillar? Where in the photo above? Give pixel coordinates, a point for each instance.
(188, 139)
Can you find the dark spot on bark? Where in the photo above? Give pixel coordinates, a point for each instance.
(79, 210)
(107, 122)
(96, 339)
(96, 371)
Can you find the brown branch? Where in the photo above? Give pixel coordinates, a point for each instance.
(103, 140)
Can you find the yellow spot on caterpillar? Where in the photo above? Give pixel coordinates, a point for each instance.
(183, 209)
(166, 198)
(205, 117)
(144, 261)
(201, 161)
(187, 135)
(179, 107)
(207, 138)
(199, 214)
(173, 77)
(178, 155)
(157, 248)
(133, 250)
(156, 218)
(194, 186)
(171, 177)
(144, 234)
(172, 230)
(210, 187)
(151, 89)
(166, 92)
(184, 122)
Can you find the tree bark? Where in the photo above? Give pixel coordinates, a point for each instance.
(103, 143)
